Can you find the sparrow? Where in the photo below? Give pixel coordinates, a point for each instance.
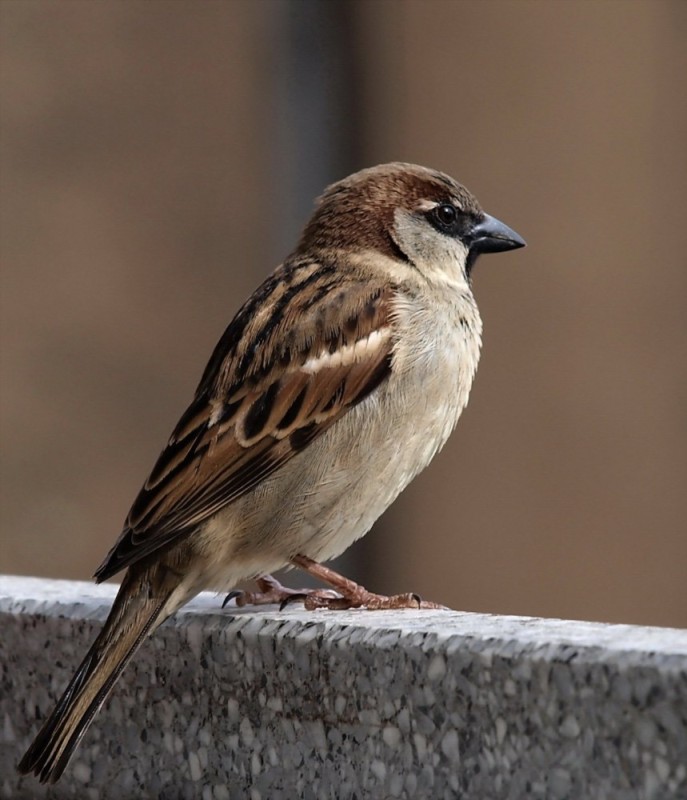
(335, 384)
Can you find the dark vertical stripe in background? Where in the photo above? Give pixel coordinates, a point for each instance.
(318, 129)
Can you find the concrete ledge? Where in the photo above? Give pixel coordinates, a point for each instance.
(226, 704)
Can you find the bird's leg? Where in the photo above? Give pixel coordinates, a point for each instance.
(270, 590)
(352, 595)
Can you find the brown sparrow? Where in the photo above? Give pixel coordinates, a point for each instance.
(334, 385)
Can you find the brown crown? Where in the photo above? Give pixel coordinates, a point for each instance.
(358, 211)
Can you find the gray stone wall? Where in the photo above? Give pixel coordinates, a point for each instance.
(263, 704)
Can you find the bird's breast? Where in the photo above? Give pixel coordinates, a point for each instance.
(435, 359)
(385, 441)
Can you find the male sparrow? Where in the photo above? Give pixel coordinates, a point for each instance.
(334, 385)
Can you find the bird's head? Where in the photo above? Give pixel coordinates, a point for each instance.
(409, 213)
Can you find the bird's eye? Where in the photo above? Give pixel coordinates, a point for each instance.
(446, 213)
(445, 218)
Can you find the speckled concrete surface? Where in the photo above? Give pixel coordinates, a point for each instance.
(226, 704)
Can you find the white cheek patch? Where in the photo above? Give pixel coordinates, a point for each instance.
(349, 354)
(440, 258)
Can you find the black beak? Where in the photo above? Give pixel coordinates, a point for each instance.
(491, 236)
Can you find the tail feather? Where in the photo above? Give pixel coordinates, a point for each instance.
(133, 616)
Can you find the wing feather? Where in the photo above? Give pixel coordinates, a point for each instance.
(273, 385)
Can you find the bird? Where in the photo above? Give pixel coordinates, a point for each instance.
(334, 385)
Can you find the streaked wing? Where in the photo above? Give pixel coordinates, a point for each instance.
(275, 382)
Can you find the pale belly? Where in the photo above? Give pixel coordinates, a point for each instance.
(379, 463)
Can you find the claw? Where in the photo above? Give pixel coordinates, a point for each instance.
(231, 596)
(291, 598)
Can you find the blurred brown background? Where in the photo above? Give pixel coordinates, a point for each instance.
(157, 161)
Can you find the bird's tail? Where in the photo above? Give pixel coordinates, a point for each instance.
(137, 611)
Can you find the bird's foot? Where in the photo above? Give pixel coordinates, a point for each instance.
(349, 594)
(369, 601)
(271, 591)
